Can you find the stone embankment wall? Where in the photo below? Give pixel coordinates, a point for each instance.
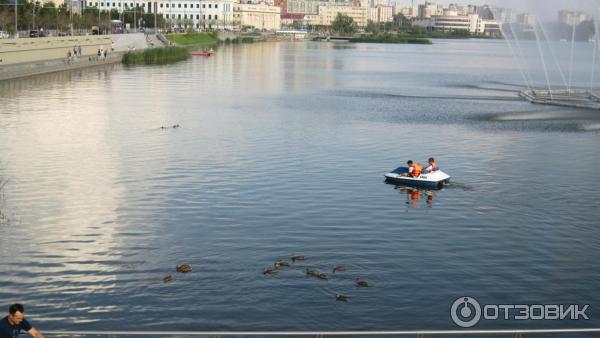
(23, 50)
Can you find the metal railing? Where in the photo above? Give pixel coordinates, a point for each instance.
(518, 333)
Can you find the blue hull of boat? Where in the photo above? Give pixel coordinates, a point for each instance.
(417, 184)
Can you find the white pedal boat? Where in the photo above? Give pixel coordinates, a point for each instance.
(434, 180)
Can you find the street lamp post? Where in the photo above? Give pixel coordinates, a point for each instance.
(71, 15)
(122, 16)
(33, 13)
(16, 19)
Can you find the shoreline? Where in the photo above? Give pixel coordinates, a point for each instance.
(27, 69)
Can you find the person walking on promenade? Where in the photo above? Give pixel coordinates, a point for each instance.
(11, 325)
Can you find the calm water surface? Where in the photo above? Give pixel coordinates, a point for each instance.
(282, 150)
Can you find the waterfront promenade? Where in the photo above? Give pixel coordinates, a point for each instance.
(33, 56)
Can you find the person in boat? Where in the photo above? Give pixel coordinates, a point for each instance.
(414, 169)
(432, 165)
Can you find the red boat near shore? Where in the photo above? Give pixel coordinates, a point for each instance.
(203, 53)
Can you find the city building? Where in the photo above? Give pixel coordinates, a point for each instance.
(448, 23)
(573, 18)
(489, 28)
(328, 13)
(409, 12)
(260, 16)
(283, 4)
(305, 6)
(195, 14)
(503, 15)
(526, 21)
(381, 14)
(293, 20)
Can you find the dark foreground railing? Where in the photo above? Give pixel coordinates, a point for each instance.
(592, 332)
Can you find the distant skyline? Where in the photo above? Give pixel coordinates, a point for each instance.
(406, 3)
(543, 8)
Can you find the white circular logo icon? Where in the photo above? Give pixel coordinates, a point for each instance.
(465, 312)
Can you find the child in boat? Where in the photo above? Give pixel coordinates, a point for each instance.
(432, 165)
(414, 169)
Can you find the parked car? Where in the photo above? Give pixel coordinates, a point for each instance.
(37, 34)
(98, 30)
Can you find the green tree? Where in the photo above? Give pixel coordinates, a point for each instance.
(343, 25)
(372, 27)
(402, 23)
(459, 33)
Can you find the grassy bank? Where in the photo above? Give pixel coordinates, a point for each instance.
(390, 38)
(192, 38)
(244, 39)
(456, 34)
(156, 56)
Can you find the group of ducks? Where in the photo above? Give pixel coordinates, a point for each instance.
(175, 126)
(182, 268)
(320, 275)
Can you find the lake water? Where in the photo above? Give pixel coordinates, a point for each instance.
(282, 150)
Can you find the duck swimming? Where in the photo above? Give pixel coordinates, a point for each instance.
(280, 263)
(270, 271)
(168, 279)
(341, 298)
(183, 268)
(361, 283)
(322, 276)
(298, 258)
(341, 268)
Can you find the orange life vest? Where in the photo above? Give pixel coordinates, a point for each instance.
(417, 169)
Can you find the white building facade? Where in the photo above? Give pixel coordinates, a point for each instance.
(449, 23)
(197, 14)
(261, 16)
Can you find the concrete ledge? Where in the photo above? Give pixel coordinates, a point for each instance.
(57, 65)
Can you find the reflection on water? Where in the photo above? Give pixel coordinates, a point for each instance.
(3, 214)
(281, 151)
(417, 197)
